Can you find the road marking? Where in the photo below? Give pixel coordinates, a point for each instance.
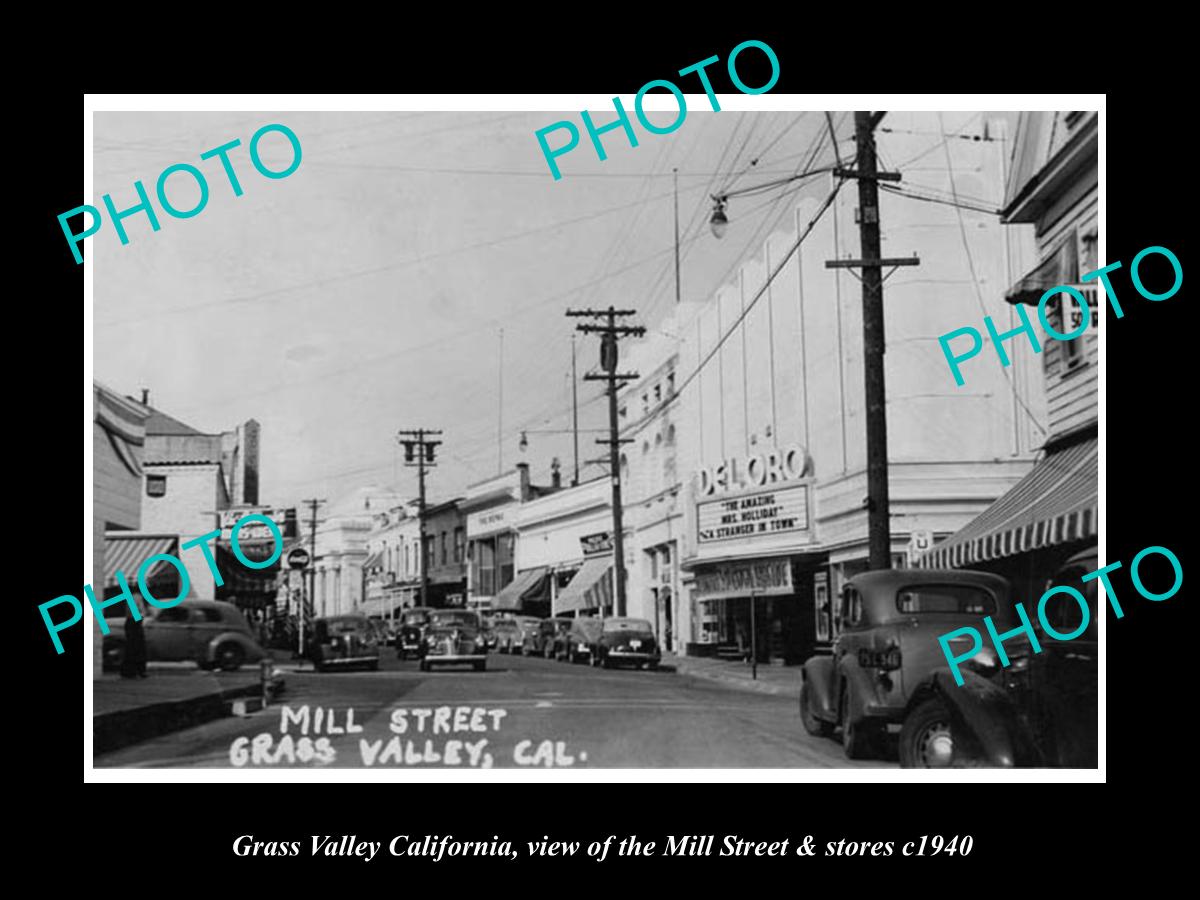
(543, 704)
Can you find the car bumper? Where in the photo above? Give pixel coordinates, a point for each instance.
(455, 657)
(631, 656)
(349, 660)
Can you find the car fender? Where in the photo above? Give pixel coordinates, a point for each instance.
(818, 674)
(988, 715)
(859, 686)
(253, 651)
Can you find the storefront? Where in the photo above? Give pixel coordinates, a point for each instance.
(756, 572)
(254, 591)
(528, 594)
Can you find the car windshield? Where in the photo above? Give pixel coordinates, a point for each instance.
(638, 625)
(454, 618)
(965, 599)
(415, 618)
(346, 625)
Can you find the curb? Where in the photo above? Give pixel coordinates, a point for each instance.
(112, 731)
(745, 684)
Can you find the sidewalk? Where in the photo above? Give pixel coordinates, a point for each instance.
(174, 696)
(780, 680)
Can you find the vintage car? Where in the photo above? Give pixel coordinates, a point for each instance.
(583, 641)
(626, 641)
(528, 627)
(487, 625)
(508, 635)
(887, 652)
(410, 634)
(553, 637)
(211, 633)
(384, 630)
(454, 636)
(1039, 710)
(342, 642)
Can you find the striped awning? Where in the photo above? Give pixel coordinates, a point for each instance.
(532, 584)
(127, 553)
(591, 588)
(373, 561)
(1053, 504)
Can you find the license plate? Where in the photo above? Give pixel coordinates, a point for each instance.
(635, 645)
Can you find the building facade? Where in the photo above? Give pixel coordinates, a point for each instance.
(1052, 192)
(564, 553)
(341, 549)
(446, 554)
(651, 482)
(118, 439)
(770, 424)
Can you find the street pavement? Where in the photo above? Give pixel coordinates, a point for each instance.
(520, 712)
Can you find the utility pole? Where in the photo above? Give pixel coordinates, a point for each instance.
(308, 604)
(879, 532)
(499, 412)
(609, 333)
(675, 174)
(422, 458)
(575, 410)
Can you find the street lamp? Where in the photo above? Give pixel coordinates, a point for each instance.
(719, 221)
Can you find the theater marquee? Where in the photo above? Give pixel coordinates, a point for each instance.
(780, 511)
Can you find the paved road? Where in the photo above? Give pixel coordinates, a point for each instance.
(520, 712)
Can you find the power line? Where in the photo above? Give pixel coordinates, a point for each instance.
(374, 270)
(962, 230)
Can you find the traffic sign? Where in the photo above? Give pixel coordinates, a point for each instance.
(298, 558)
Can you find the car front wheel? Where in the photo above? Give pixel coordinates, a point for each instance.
(926, 738)
(230, 657)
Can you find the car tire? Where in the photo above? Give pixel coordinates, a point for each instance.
(926, 740)
(230, 656)
(652, 667)
(480, 666)
(424, 665)
(606, 663)
(114, 655)
(860, 739)
(813, 725)
(373, 666)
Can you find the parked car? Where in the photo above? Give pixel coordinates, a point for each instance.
(554, 637)
(487, 630)
(211, 633)
(384, 630)
(887, 653)
(624, 641)
(583, 641)
(410, 636)
(342, 642)
(508, 635)
(528, 627)
(454, 636)
(1040, 710)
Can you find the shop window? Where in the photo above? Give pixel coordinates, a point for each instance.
(851, 615)
(156, 485)
(445, 548)
(459, 538)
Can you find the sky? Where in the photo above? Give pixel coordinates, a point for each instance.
(367, 291)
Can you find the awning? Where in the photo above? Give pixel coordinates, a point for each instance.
(1053, 504)
(126, 554)
(591, 588)
(1059, 268)
(531, 585)
(373, 561)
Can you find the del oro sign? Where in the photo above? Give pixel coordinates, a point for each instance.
(776, 466)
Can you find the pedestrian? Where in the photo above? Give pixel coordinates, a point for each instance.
(133, 663)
